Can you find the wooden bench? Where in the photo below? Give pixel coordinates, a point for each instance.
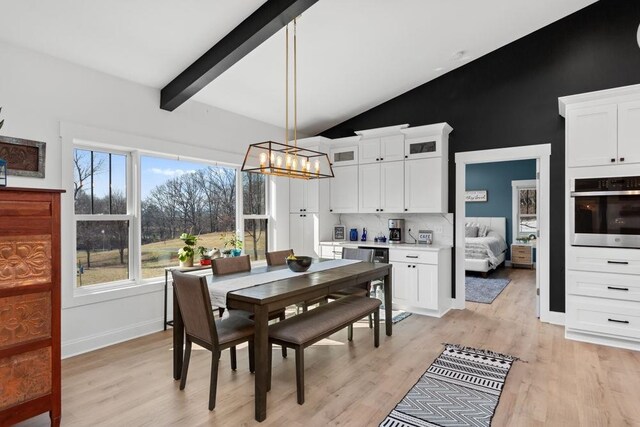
(305, 329)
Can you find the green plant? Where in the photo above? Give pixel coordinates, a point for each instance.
(187, 251)
(203, 252)
(232, 241)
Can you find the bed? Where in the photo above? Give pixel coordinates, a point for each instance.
(484, 254)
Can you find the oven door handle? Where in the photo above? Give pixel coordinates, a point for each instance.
(605, 193)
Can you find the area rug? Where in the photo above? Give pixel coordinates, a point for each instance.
(462, 387)
(479, 289)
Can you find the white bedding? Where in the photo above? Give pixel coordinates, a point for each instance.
(490, 248)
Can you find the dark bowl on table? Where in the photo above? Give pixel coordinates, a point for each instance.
(300, 264)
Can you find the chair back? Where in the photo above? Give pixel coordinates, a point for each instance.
(365, 255)
(278, 257)
(195, 307)
(236, 264)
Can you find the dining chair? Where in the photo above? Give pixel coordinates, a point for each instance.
(362, 290)
(241, 264)
(201, 328)
(277, 258)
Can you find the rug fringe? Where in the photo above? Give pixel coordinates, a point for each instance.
(484, 352)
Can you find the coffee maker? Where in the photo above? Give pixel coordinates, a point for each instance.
(396, 230)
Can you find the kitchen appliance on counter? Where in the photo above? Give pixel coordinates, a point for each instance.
(396, 230)
(605, 212)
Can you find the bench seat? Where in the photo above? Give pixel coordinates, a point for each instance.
(305, 329)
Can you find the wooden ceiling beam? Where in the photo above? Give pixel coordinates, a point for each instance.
(267, 20)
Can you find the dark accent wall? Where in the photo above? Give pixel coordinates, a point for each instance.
(496, 179)
(510, 97)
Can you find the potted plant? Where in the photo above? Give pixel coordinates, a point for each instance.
(186, 253)
(205, 255)
(233, 245)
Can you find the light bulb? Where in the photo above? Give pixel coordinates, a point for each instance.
(317, 166)
(279, 162)
(263, 159)
(288, 161)
(294, 164)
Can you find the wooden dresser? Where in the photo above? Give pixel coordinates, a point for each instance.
(29, 304)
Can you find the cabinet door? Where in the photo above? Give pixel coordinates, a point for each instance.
(296, 233)
(629, 132)
(344, 156)
(423, 186)
(428, 286)
(369, 185)
(391, 187)
(422, 148)
(369, 150)
(296, 195)
(392, 148)
(592, 136)
(309, 235)
(405, 283)
(344, 190)
(312, 195)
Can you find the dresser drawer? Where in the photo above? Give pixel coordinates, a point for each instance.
(613, 286)
(521, 250)
(604, 316)
(419, 257)
(607, 260)
(518, 258)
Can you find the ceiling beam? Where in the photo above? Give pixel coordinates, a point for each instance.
(267, 20)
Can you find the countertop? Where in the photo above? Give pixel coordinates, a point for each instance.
(404, 246)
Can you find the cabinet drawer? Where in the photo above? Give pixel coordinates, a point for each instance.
(523, 250)
(605, 316)
(331, 252)
(613, 286)
(607, 260)
(420, 257)
(25, 377)
(520, 259)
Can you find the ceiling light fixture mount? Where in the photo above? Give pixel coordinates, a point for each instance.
(288, 160)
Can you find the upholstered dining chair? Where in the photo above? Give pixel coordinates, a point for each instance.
(241, 264)
(201, 328)
(362, 290)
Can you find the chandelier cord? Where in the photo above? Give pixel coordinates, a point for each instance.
(295, 86)
(286, 87)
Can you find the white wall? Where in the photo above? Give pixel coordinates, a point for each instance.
(38, 93)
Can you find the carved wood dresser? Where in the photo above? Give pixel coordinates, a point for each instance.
(29, 304)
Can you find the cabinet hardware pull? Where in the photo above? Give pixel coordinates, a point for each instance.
(414, 266)
(405, 209)
(381, 210)
(412, 256)
(613, 160)
(615, 288)
(618, 262)
(408, 266)
(406, 157)
(330, 210)
(381, 159)
(626, 322)
(622, 159)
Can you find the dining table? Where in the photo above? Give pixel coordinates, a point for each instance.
(263, 298)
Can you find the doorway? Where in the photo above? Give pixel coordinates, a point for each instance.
(541, 153)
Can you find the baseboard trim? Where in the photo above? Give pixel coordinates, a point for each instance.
(553, 317)
(94, 342)
(594, 338)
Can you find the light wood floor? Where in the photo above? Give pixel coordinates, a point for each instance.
(564, 383)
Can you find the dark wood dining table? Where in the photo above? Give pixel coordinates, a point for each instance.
(268, 297)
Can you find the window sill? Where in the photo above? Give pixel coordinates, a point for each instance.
(101, 293)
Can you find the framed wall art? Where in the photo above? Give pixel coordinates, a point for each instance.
(24, 157)
(475, 196)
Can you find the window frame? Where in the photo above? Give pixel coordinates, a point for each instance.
(242, 216)
(516, 186)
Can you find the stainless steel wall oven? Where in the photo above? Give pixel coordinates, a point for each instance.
(605, 212)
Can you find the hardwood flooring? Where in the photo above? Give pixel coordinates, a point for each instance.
(562, 383)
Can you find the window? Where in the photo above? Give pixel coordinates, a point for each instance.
(179, 196)
(102, 216)
(254, 213)
(525, 213)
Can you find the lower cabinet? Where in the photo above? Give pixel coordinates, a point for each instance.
(422, 280)
(330, 251)
(303, 233)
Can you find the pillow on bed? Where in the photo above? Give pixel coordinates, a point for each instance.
(482, 229)
(471, 231)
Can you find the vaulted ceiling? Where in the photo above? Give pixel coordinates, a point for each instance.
(352, 54)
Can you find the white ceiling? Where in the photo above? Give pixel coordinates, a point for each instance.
(352, 54)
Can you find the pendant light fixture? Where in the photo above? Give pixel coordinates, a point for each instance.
(288, 160)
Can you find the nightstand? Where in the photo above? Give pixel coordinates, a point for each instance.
(522, 255)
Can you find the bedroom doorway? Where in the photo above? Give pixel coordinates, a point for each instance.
(541, 155)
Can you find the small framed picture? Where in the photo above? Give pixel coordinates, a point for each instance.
(475, 196)
(339, 233)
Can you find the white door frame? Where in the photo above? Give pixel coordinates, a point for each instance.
(542, 153)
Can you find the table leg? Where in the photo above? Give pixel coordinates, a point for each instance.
(261, 348)
(178, 338)
(388, 320)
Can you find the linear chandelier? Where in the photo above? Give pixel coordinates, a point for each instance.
(288, 160)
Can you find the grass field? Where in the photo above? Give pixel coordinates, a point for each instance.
(106, 266)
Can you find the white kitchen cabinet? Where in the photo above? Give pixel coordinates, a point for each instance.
(344, 155)
(381, 187)
(421, 280)
(303, 234)
(592, 136)
(384, 149)
(330, 251)
(425, 186)
(303, 195)
(343, 197)
(629, 132)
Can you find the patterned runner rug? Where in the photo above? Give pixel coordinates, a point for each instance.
(461, 388)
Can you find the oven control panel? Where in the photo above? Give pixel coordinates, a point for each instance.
(623, 183)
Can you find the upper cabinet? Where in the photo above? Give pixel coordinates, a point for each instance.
(384, 149)
(304, 195)
(344, 190)
(344, 155)
(602, 128)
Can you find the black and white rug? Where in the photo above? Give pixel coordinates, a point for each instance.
(479, 289)
(461, 388)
